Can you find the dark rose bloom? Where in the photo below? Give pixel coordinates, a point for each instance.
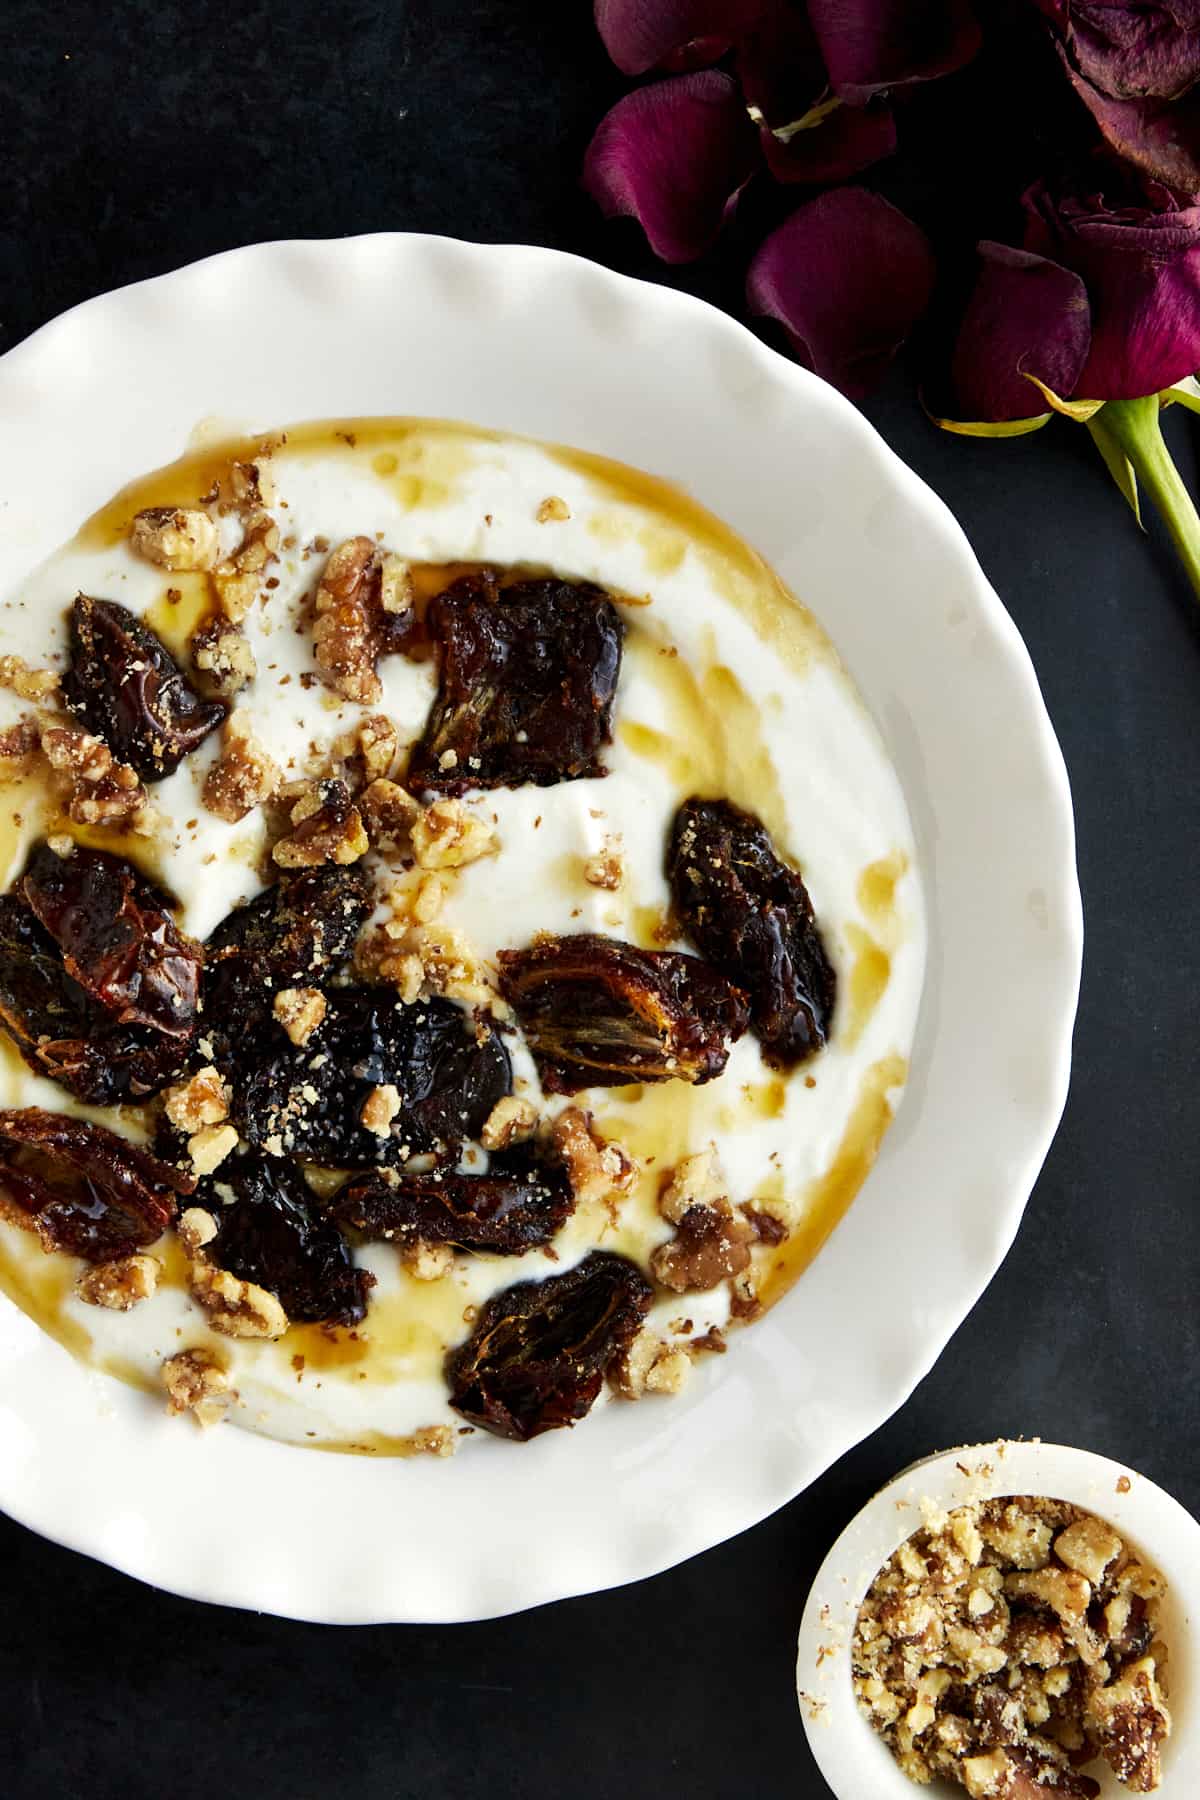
(1103, 302)
(1135, 64)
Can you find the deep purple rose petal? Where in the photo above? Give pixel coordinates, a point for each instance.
(1025, 314)
(1140, 260)
(848, 276)
(779, 65)
(642, 34)
(874, 44)
(674, 156)
(1161, 137)
(1129, 49)
(847, 141)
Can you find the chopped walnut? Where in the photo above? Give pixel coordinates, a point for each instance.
(237, 1308)
(121, 1284)
(710, 1241)
(605, 869)
(179, 538)
(509, 1122)
(434, 1440)
(195, 1228)
(196, 1383)
(451, 966)
(1130, 1720)
(428, 1262)
(103, 792)
(222, 651)
(428, 900)
(19, 745)
(597, 1168)
(250, 487)
(377, 747)
(358, 585)
(388, 813)
(243, 776)
(448, 834)
(238, 580)
(201, 1100)
(74, 751)
(979, 1654)
(27, 683)
(327, 828)
(300, 1011)
(209, 1147)
(553, 508)
(380, 1108)
(650, 1366)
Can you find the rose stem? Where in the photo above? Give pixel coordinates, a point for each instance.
(1133, 427)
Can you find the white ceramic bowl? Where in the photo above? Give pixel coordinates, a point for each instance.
(531, 341)
(851, 1755)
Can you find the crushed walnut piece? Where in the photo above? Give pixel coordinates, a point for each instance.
(326, 827)
(510, 1121)
(387, 813)
(553, 509)
(197, 1384)
(243, 776)
(651, 1365)
(605, 869)
(27, 683)
(201, 1100)
(19, 747)
(380, 1108)
(300, 1011)
(238, 580)
(710, 1241)
(427, 1262)
(178, 538)
(597, 1167)
(362, 591)
(120, 1284)
(432, 1440)
(376, 748)
(235, 1307)
(99, 790)
(447, 834)
(1010, 1643)
(221, 650)
(209, 1147)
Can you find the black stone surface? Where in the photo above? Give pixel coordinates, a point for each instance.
(138, 137)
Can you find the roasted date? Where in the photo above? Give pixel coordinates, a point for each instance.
(598, 1012)
(99, 1044)
(126, 687)
(750, 915)
(527, 675)
(273, 1234)
(295, 934)
(116, 937)
(538, 1354)
(306, 1101)
(518, 1205)
(84, 1189)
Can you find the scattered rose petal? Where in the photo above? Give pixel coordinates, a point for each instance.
(848, 276)
(1140, 259)
(869, 45)
(847, 140)
(674, 156)
(1027, 315)
(644, 34)
(1161, 137)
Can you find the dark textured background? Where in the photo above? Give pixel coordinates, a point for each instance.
(137, 138)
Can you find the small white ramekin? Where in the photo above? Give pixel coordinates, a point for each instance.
(849, 1752)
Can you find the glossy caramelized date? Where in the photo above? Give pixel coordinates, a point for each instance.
(274, 1234)
(84, 1189)
(750, 915)
(598, 1012)
(518, 1205)
(527, 675)
(108, 1008)
(116, 937)
(538, 1354)
(307, 1101)
(125, 686)
(298, 933)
